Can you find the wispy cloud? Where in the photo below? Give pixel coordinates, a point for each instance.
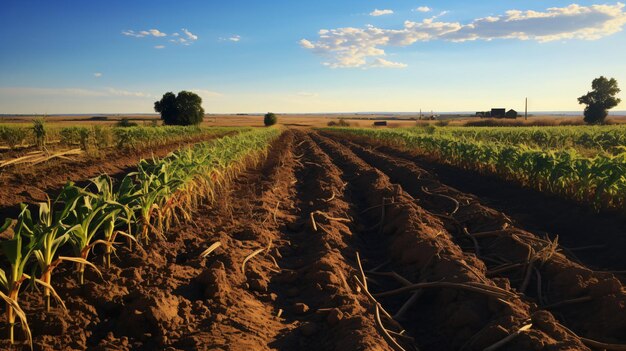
(382, 63)
(144, 33)
(71, 92)
(97, 74)
(185, 39)
(190, 35)
(423, 9)
(363, 47)
(378, 12)
(234, 38)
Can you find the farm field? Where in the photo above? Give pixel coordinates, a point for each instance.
(305, 239)
(585, 164)
(39, 172)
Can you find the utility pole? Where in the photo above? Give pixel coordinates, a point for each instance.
(526, 111)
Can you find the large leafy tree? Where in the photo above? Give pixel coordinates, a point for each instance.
(270, 119)
(184, 109)
(601, 99)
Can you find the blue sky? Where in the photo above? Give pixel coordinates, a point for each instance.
(306, 56)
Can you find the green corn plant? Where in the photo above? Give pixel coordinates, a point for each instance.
(51, 234)
(17, 250)
(39, 131)
(599, 181)
(90, 215)
(122, 203)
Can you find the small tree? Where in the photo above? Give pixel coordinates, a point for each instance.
(270, 119)
(184, 109)
(600, 99)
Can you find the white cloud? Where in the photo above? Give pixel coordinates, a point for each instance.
(234, 38)
(97, 74)
(144, 33)
(382, 63)
(174, 37)
(363, 47)
(156, 33)
(423, 9)
(189, 35)
(378, 12)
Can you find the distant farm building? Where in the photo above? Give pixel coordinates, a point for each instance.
(380, 124)
(511, 114)
(497, 113)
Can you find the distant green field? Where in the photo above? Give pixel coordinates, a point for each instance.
(21, 135)
(587, 164)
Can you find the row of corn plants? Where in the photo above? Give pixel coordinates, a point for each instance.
(602, 139)
(100, 137)
(139, 208)
(599, 181)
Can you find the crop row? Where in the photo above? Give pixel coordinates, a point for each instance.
(141, 207)
(100, 137)
(599, 181)
(603, 139)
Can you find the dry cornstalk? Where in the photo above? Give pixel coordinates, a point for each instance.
(456, 203)
(358, 261)
(394, 344)
(243, 265)
(331, 198)
(274, 261)
(394, 275)
(508, 338)
(312, 215)
(474, 241)
(380, 266)
(477, 287)
(211, 248)
(376, 303)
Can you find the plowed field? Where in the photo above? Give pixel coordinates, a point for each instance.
(331, 244)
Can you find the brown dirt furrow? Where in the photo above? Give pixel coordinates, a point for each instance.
(413, 243)
(591, 303)
(597, 239)
(30, 184)
(316, 258)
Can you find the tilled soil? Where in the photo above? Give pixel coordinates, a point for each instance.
(295, 232)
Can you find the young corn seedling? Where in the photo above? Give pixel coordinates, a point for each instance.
(121, 212)
(90, 215)
(155, 187)
(50, 233)
(17, 251)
